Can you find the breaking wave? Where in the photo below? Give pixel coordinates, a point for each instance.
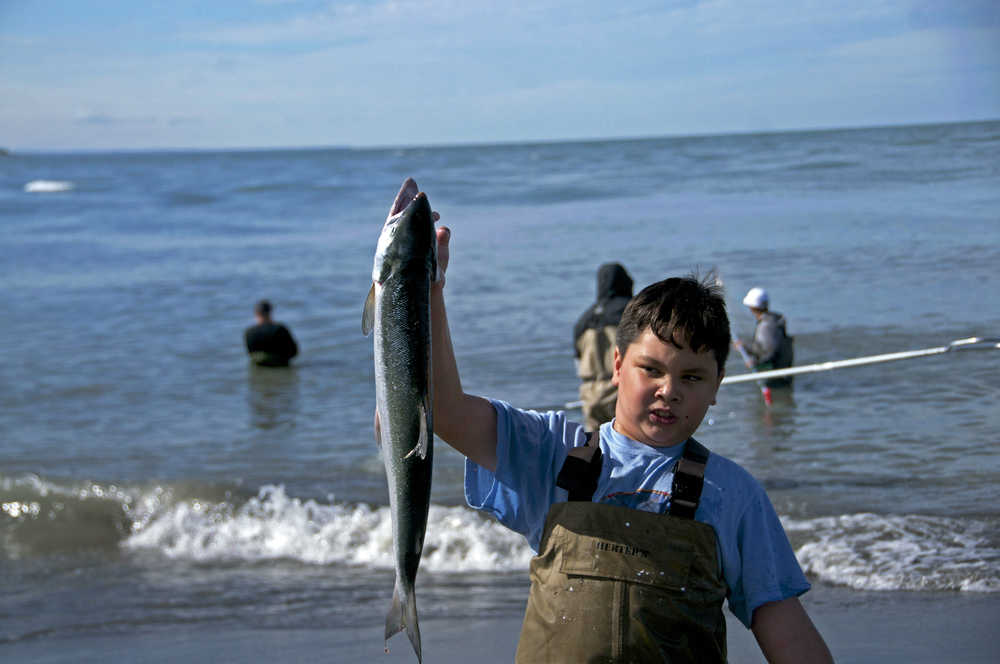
(38, 517)
(215, 524)
(901, 552)
(274, 526)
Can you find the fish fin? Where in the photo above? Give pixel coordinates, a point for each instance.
(403, 615)
(423, 441)
(368, 316)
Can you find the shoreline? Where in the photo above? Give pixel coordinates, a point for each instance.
(858, 626)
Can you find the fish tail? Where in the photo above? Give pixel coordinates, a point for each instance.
(403, 615)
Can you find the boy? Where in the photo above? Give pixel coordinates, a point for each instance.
(640, 532)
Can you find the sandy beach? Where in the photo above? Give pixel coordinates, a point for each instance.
(860, 627)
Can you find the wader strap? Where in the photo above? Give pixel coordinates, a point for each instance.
(580, 471)
(689, 478)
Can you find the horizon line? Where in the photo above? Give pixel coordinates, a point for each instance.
(527, 142)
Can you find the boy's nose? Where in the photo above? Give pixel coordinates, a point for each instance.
(667, 391)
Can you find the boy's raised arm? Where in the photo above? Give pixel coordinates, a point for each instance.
(465, 421)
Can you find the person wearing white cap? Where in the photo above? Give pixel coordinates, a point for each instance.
(771, 347)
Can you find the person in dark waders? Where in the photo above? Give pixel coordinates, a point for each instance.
(594, 344)
(641, 532)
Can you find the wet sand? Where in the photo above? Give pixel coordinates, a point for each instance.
(863, 627)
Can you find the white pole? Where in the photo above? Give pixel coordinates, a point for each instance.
(973, 343)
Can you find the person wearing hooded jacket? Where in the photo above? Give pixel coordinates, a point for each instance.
(771, 347)
(594, 344)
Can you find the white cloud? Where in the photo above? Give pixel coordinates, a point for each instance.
(422, 71)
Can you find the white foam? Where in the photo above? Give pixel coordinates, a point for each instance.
(901, 552)
(862, 551)
(48, 186)
(34, 485)
(273, 526)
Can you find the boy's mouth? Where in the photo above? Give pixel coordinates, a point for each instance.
(662, 416)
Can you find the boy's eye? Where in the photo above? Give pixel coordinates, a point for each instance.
(692, 378)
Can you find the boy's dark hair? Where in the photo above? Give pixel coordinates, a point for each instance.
(679, 311)
(263, 307)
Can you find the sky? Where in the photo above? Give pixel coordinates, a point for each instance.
(122, 74)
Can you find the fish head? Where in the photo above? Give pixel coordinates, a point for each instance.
(408, 236)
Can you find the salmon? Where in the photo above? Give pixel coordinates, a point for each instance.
(398, 312)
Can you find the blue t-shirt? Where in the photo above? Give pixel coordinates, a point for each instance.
(758, 563)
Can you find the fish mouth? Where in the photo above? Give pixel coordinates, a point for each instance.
(407, 194)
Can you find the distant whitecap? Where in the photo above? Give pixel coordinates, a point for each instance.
(48, 186)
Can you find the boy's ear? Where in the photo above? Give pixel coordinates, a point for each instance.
(616, 376)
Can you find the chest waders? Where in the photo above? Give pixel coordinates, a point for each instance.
(595, 368)
(615, 584)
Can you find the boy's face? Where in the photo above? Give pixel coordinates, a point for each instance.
(663, 391)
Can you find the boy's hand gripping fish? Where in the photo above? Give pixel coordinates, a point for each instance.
(398, 310)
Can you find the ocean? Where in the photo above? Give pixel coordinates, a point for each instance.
(153, 483)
